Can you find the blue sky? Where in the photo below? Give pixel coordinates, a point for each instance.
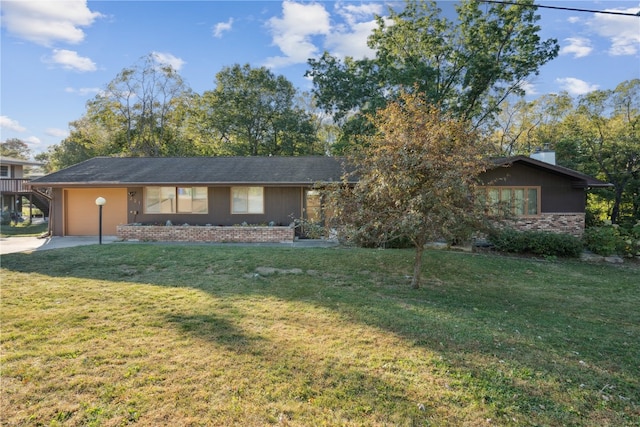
(56, 55)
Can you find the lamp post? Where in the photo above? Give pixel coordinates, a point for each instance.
(100, 201)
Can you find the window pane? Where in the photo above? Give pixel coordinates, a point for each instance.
(255, 203)
(199, 200)
(184, 199)
(505, 199)
(247, 200)
(494, 200)
(532, 206)
(160, 199)
(152, 200)
(518, 201)
(239, 200)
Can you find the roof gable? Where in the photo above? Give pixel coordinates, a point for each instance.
(581, 179)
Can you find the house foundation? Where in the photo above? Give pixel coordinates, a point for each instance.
(568, 223)
(206, 234)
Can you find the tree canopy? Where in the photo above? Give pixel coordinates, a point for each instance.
(466, 67)
(16, 148)
(253, 112)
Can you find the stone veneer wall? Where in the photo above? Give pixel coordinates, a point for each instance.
(190, 233)
(569, 223)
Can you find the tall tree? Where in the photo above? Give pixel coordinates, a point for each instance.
(14, 147)
(466, 67)
(253, 112)
(417, 176)
(521, 127)
(142, 110)
(606, 128)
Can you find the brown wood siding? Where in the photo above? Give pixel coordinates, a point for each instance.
(557, 192)
(281, 205)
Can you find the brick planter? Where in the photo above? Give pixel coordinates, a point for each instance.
(190, 233)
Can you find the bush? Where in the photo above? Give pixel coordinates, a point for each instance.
(608, 240)
(536, 242)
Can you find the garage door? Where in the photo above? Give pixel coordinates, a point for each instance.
(81, 212)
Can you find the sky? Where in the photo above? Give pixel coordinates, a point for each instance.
(56, 55)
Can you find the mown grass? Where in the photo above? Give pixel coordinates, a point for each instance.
(223, 335)
(23, 229)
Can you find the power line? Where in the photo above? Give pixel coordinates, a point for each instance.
(561, 8)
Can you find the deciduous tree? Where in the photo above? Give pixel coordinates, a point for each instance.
(416, 178)
(252, 112)
(16, 148)
(142, 110)
(467, 67)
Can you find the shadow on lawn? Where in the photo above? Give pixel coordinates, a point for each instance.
(517, 351)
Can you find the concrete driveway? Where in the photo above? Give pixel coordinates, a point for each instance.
(10, 245)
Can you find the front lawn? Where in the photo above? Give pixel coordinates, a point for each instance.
(151, 334)
(23, 229)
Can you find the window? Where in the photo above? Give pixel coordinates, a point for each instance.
(518, 201)
(313, 212)
(175, 199)
(4, 171)
(247, 200)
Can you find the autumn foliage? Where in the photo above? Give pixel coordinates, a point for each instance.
(416, 179)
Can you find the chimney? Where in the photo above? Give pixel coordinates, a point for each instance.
(545, 155)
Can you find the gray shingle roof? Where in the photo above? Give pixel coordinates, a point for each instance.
(198, 170)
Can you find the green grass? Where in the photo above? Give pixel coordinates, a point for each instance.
(23, 229)
(224, 335)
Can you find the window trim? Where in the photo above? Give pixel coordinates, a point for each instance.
(512, 188)
(248, 211)
(175, 200)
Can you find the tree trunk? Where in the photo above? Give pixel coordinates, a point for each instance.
(417, 267)
(615, 212)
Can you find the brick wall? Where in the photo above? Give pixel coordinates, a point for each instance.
(569, 223)
(184, 233)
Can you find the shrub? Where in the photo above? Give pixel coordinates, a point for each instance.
(612, 239)
(536, 242)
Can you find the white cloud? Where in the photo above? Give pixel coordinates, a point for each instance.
(353, 42)
(10, 124)
(169, 59)
(58, 133)
(293, 31)
(355, 13)
(351, 38)
(622, 31)
(32, 140)
(576, 86)
(528, 87)
(70, 60)
(577, 46)
(83, 91)
(222, 27)
(46, 22)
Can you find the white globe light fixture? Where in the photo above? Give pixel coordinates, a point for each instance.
(100, 201)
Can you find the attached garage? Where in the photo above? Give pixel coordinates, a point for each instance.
(81, 212)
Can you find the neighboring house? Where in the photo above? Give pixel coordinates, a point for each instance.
(211, 193)
(13, 186)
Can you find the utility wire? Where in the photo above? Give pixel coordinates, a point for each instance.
(561, 8)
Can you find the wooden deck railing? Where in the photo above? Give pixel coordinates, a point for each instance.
(13, 185)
